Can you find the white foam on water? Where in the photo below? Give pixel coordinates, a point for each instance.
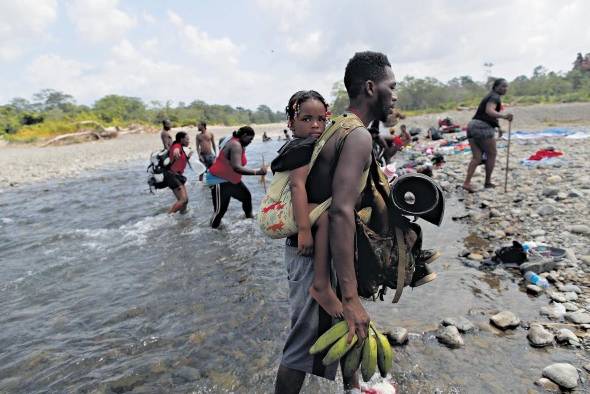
(133, 233)
(6, 220)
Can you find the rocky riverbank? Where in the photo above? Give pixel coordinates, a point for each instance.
(544, 205)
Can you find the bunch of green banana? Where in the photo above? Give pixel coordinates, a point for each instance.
(372, 353)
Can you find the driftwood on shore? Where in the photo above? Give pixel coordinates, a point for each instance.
(95, 131)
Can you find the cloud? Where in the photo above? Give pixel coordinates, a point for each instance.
(51, 70)
(219, 51)
(22, 23)
(100, 20)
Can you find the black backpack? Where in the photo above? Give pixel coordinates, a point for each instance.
(159, 162)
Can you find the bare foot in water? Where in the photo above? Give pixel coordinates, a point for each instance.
(327, 300)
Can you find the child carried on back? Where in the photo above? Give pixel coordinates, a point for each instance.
(307, 116)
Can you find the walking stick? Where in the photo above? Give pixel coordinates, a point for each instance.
(507, 157)
(263, 177)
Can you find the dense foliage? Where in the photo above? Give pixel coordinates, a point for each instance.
(52, 112)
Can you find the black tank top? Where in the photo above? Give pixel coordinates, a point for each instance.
(481, 114)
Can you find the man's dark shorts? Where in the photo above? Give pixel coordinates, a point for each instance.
(207, 159)
(174, 180)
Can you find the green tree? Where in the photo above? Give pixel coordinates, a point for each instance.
(112, 107)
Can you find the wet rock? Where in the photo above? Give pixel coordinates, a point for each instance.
(578, 317)
(534, 290)
(550, 191)
(570, 307)
(567, 336)
(565, 375)
(505, 320)
(188, 374)
(538, 266)
(570, 288)
(546, 210)
(450, 337)
(555, 311)
(539, 336)
(463, 325)
(579, 229)
(398, 336)
(548, 385)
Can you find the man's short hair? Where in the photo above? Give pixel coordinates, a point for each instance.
(179, 136)
(362, 67)
(204, 124)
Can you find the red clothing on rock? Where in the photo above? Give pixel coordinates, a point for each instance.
(179, 164)
(545, 153)
(222, 167)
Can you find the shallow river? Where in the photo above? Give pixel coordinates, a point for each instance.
(101, 291)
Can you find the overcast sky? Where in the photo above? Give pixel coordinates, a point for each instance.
(245, 53)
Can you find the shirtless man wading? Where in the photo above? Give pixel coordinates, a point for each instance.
(205, 146)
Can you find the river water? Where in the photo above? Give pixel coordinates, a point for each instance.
(102, 292)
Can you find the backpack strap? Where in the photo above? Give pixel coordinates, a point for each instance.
(402, 262)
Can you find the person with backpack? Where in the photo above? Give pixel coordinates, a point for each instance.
(341, 164)
(173, 174)
(225, 175)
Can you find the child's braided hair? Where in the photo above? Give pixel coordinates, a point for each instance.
(292, 109)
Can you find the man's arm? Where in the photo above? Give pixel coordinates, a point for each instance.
(354, 158)
(213, 143)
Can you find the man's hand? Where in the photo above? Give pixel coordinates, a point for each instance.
(261, 171)
(305, 243)
(509, 117)
(357, 318)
